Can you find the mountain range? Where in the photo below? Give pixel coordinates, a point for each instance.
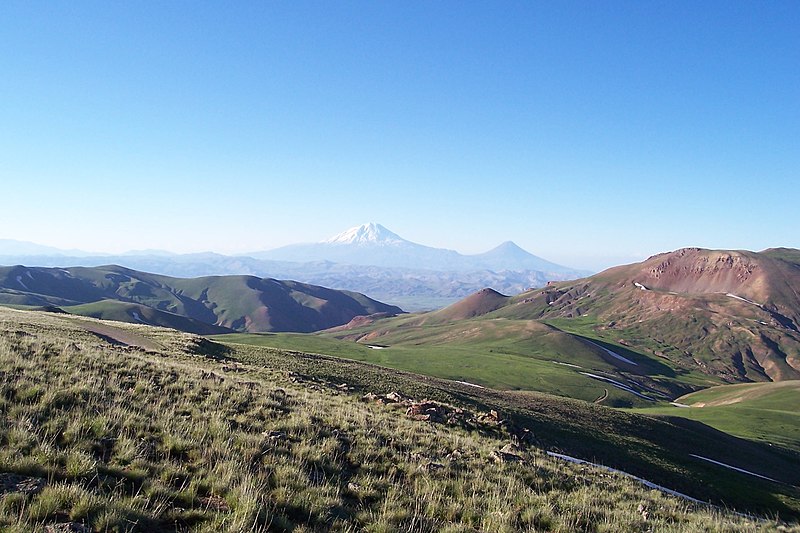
(374, 245)
(368, 259)
(206, 305)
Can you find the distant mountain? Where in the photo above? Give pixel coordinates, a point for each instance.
(368, 234)
(368, 245)
(11, 247)
(200, 305)
(374, 245)
(509, 256)
(368, 259)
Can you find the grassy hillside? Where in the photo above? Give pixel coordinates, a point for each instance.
(212, 304)
(192, 435)
(512, 353)
(138, 313)
(766, 412)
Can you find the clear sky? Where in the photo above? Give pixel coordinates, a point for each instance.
(588, 132)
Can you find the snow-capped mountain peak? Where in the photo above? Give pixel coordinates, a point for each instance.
(371, 233)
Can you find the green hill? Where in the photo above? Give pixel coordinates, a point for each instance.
(193, 435)
(211, 304)
(766, 412)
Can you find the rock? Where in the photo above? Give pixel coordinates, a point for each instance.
(427, 410)
(370, 397)
(499, 456)
(394, 397)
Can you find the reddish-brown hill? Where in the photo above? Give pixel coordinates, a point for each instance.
(476, 304)
(735, 314)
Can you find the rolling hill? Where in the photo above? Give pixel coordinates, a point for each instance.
(206, 305)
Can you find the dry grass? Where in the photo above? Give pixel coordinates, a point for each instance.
(128, 440)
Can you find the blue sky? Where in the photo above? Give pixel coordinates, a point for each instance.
(589, 133)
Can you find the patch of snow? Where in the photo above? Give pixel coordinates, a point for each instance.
(136, 316)
(617, 384)
(374, 347)
(28, 273)
(469, 384)
(676, 404)
(566, 364)
(648, 484)
(640, 286)
(742, 470)
(613, 354)
(19, 280)
(371, 233)
(742, 299)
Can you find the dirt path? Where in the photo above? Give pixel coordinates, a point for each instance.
(116, 335)
(602, 397)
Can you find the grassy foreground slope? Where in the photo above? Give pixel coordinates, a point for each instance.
(768, 412)
(100, 433)
(192, 435)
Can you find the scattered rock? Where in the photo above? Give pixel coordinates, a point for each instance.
(370, 397)
(24, 484)
(394, 398)
(427, 410)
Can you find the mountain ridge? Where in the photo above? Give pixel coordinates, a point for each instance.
(372, 244)
(229, 303)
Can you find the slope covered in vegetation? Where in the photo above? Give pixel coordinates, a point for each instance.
(124, 427)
